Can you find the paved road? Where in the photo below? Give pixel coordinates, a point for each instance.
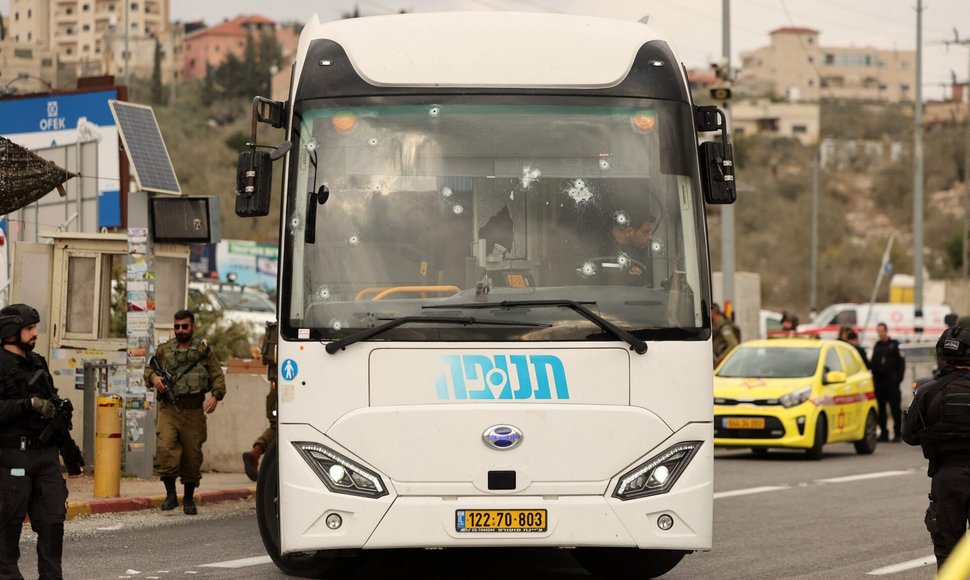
(778, 516)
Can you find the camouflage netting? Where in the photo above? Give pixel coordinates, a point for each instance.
(26, 177)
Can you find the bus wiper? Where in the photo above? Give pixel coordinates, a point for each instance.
(342, 343)
(635, 343)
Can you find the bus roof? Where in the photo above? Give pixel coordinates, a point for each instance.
(486, 49)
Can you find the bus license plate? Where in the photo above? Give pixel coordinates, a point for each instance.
(747, 423)
(500, 521)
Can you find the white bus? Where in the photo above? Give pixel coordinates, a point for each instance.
(494, 325)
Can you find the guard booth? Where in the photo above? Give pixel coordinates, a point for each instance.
(78, 285)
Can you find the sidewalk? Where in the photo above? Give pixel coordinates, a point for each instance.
(141, 494)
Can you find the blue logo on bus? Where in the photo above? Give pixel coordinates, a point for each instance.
(502, 377)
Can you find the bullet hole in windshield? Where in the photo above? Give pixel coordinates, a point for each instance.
(435, 111)
(657, 246)
(605, 164)
(336, 325)
(621, 219)
(446, 192)
(623, 260)
(458, 209)
(588, 269)
(354, 240)
(372, 141)
(580, 191)
(323, 293)
(529, 176)
(311, 146)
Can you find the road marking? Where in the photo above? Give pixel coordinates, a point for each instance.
(749, 491)
(863, 476)
(241, 563)
(917, 563)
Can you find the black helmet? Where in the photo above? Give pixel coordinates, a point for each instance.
(16, 316)
(953, 346)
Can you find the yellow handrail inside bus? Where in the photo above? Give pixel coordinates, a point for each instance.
(400, 289)
(367, 291)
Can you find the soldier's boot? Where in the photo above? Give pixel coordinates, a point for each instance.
(188, 502)
(171, 497)
(251, 462)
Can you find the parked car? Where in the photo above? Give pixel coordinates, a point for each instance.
(237, 303)
(796, 393)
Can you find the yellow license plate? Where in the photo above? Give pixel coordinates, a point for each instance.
(501, 521)
(745, 423)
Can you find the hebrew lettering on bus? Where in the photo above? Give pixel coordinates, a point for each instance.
(502, 377)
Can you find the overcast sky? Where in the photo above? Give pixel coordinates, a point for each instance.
(693, 26)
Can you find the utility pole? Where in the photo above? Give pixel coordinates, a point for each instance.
(965, 104)
(127, 52)
(727, 210)
(918, 179)
(813, 298)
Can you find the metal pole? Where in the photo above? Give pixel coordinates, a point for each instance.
(918, 179)
(727, 210)
(127, 52)
(966, 173)
(813, 299)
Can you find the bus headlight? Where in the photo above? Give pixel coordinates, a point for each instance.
(657, 475)
(338, 473)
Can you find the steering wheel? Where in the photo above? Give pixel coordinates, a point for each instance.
(593, 267)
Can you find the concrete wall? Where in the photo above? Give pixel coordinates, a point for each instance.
(238, 420)
(747, 301)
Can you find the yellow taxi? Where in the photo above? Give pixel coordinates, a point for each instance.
(796, 393)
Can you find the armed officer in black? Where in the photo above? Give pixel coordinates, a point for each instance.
(939, 421)
(30, 471)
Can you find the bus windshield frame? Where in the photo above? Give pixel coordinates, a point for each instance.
(396, 205)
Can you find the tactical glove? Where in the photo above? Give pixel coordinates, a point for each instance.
(42, 407)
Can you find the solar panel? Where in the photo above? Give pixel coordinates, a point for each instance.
(145, 147)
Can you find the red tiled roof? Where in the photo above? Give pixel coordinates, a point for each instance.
(234, 27)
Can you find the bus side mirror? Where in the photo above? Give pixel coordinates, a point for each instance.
(254, 174)
(254, 177)
(716, 157)
(717, 173)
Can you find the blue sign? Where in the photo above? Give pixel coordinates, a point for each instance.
(55, 112)
(502, 377)
(289, 370)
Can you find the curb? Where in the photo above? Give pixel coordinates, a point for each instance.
(128, 504)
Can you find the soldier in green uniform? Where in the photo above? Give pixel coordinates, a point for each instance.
(268, 354)
(725, 335)
(192, 372)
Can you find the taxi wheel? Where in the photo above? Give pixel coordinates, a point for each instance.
(760, 451)
(867, 444)
(821, 436)
(308, 565)
(620, 563)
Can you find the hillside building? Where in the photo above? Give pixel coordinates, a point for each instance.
(794, 67)
(208, 48)
(89, 36)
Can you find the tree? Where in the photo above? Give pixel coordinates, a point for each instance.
(158, 91)
(208, 87)
(269, 57)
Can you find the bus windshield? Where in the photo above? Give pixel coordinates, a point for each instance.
(441, 204)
